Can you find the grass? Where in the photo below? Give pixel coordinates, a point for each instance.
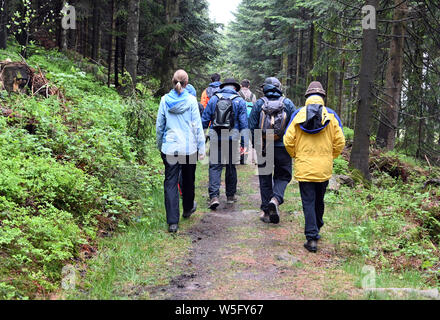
(361, 229)
(142, 256)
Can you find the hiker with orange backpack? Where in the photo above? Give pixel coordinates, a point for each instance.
(213, 88)
(314, 139)
(272, 112)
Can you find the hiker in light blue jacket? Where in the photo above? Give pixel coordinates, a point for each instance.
(181, 140)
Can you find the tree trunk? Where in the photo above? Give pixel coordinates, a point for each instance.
(117, 51)
(96, 30)
(299, 56)
(361, 145)
(170, 55)
(132, 41)
(311, 52)
(111, 42)
(390, 111)
(3, 23)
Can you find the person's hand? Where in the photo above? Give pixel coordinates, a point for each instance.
(201, 157)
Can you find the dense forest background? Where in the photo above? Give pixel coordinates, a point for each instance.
(383, 82)
(78, 160)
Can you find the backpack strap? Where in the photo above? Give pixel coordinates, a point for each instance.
(282, 99)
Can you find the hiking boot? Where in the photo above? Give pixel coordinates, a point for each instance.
(173, 228)
(232, 200)
(213, 205)
(274, 213)
(311, 246)
(188, 214)
(265, 217)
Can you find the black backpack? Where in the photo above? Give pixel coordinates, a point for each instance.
(273, 117)
(224, 117)
(211, 91)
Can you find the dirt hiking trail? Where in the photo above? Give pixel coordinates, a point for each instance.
(236, 256)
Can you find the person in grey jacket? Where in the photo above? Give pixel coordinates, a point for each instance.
(181, 140)
(273, 186)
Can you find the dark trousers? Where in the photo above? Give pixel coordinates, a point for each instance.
(171, 191)
(274, 185)
(216, 170)
(312, 195)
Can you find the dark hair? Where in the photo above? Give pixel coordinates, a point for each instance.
(246, 83)
(215, 77)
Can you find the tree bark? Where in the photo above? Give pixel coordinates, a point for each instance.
(96, 30)
(111, 43)
(3, 23)
(299, 56)
(386, 135)
(361, 145)
(132, 41)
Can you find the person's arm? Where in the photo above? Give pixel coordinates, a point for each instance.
(243, 121)
(290, 140)
(254, 117)
(160, 124)
(290, 108)
(200, 136)
(339, 138)
(208, 115)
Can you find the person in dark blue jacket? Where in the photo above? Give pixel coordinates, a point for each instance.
(228, 90)
(273, 186)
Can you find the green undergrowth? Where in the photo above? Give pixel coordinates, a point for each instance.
(144, 257)
(392, 226)
(71, 169)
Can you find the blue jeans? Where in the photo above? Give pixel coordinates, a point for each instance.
(274, 185)
(215, 171)
(312, 196)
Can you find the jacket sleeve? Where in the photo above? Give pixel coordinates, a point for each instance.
(254, 117)
(338, 140)
(198, 130)
(290, 140)
(243, 121)
(204, 100)
(209, 113)
(160, 124)
(290, 108)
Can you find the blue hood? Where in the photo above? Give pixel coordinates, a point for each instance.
(215, 84)
(177, 103)
(191, 90)
(227, 90)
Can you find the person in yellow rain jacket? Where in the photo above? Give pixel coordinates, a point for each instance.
(314, 138)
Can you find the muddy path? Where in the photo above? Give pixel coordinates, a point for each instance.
(236, 256)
